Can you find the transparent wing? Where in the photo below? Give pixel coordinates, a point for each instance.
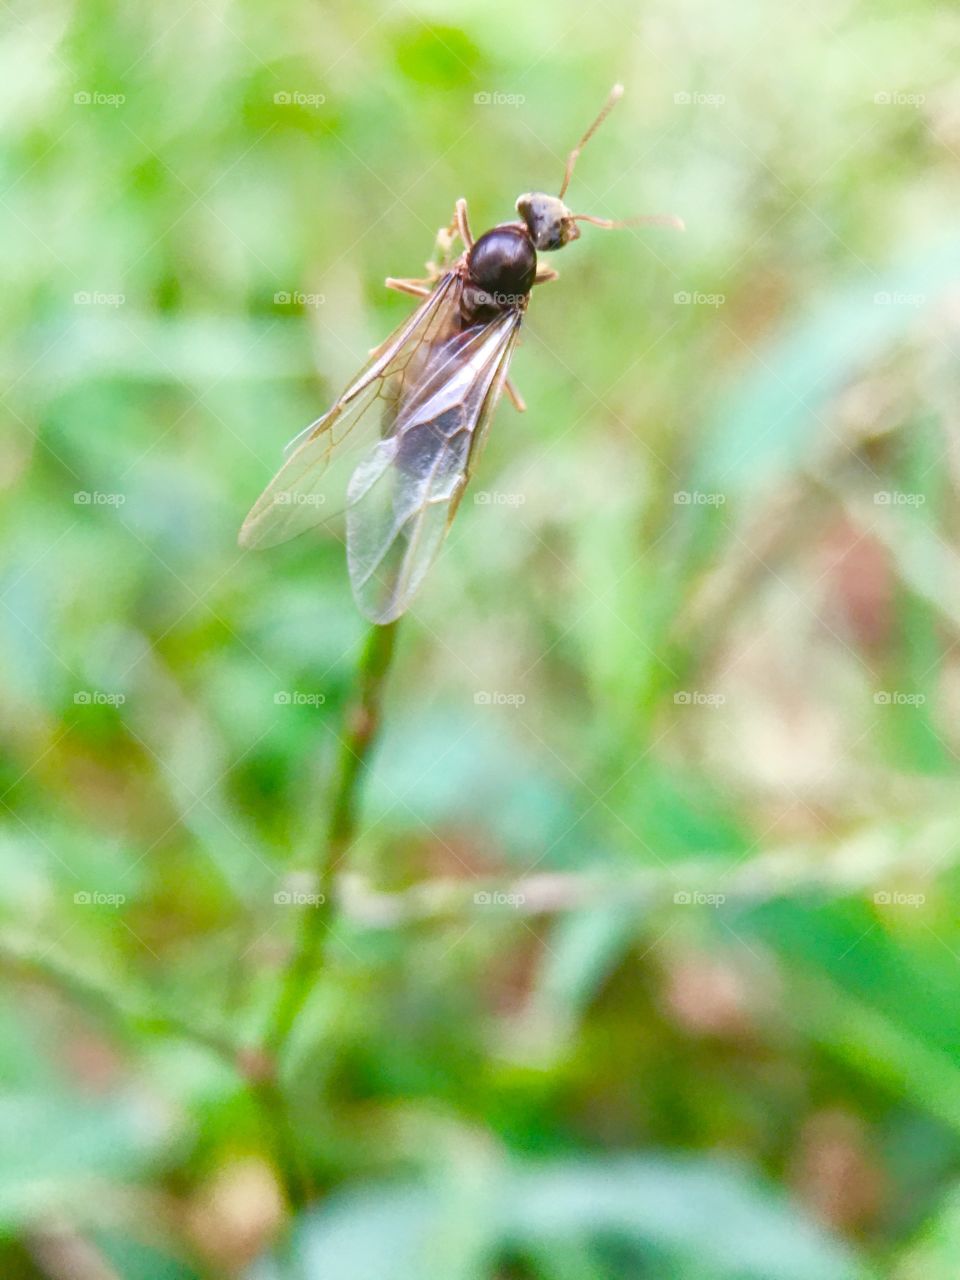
(404, 494)
(309, 488)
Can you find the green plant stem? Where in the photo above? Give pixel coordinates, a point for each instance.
(362, 725)
(128, 1014)
(283, 1137)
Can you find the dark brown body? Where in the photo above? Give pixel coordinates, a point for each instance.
(500, 270)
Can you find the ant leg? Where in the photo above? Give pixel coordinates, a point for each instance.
(443, 248)
(516, 398)
(463, 223)
(419, 288)
(545, 275)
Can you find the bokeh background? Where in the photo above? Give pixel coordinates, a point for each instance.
(646, 960)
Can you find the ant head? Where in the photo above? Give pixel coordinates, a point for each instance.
(549, 221)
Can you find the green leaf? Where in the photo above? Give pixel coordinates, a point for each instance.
(707, 1214)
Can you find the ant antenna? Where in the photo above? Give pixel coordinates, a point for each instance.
(647, 220)
(616, 93)
(608, 224)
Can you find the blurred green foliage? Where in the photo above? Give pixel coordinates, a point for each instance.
(685, 677)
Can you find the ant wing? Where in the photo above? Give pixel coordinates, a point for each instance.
(308, 489)
(404, 494)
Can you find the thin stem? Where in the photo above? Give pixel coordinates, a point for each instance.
(360, 733)
(129, 1015)
(124, 1011)
(283, 1136)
